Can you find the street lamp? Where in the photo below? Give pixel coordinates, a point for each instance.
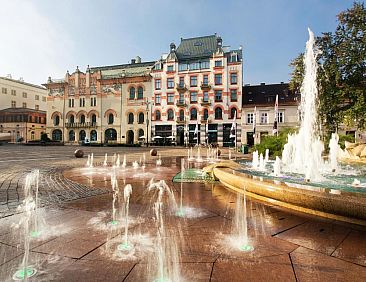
(148, 103)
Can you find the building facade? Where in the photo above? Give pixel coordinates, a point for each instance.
(198, 83)
(107, 104)
(259, 109)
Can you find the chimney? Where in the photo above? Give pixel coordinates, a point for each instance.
(219, 41)
(172, 47)
(133, 61)
(263, 83)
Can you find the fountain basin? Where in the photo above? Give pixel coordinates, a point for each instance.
(325, 202)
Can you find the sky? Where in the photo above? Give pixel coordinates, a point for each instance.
(41, 38)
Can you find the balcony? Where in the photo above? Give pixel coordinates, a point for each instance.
(205, 86)
(180, 121)
(181, 103)
(181, 87)
(204, 120)
(81, 125)
(205, 102)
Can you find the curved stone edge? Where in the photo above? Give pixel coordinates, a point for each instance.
(350, 209)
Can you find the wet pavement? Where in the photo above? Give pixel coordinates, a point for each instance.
(77, 240)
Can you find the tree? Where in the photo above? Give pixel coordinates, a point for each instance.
(342, 71)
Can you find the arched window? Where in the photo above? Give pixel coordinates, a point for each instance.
(218, 113)
(94, 118)
(205, 114)
(71, 135)
(141, 132)
(132, 93)
(93, 135)
(82, 135)
(157, 115)
(130, 118)
(110, 119)
(32, 135)
(82, 119)
(194, 114)
(141, 118)
(140, 93)
(233, 112)
(170, 114)
(57, 135)
(72, 119)
(56, 120)
(181, 115)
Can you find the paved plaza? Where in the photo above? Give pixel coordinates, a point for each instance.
(288, 246)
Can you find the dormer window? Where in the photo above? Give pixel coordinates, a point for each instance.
(170, 68)
(158, 66)
(218, 63)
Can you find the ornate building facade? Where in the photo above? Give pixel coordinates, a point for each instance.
(105, 104)
(197, 84)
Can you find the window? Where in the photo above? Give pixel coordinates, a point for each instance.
(170, 83)
(44, 99)
(36, 97)
(157, 84)
(170, 68)
(233, 58)
(233, 113)
(218, 79)
(205, 96)
(194, 66)
(13, 104)
(171, 98)
(182, 67)
(24, 105)
(13, 92)
(130, 118)
(71, 135)
(264, 117)
(194, 97)
(250, 118)
(233, 78)
(193, 81)
(72, 119)
(141, 132)
(280, 117)
(157, 99)
(132, 93)
(170, 114)
(94, 119)
(181, 81)
(82, 119)
(194, 114)
(71, 103)
(233, 95)
(205, 80)
(205, 114)
(205, 65)
(110, 119)
(218, 96)
(218, 113)
(32, 135)
(82, 102)
(157, 115)
(140, 93)
(141, 118)
(218, 63)
(56, 120)
(36, 107)
(4, 90)
(93, 101)
(181, 98)
(181, 115)
(158, 66)
(24, 94)
(93, 135)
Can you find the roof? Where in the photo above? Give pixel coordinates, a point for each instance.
(21, 110)
(22, 82)
(124, 66)
(197, 47)
(265, 94)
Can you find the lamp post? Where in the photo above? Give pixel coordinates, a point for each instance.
(148, 103)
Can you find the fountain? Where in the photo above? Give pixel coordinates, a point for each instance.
(158, 161)
(29, 207)
(255, 161)
(115, 190)
(199, 158)
(180, 212)
(118, 161)
(262, 164)
(190, 154)
(266, 158)
(125, 246)
(135, 165)
(124, 161)
(333, 152)
(277, 167)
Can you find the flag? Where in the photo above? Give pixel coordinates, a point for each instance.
(233, 128)
(275, 130)
(254, 119)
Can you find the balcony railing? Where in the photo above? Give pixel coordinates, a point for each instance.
(205, 86)
(180, 121)
(205, 102)
(181, 103)
(181, 87)
(81, 125)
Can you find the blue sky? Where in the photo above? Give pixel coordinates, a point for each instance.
(41, 38)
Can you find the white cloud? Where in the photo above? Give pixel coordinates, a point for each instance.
(31, 45)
